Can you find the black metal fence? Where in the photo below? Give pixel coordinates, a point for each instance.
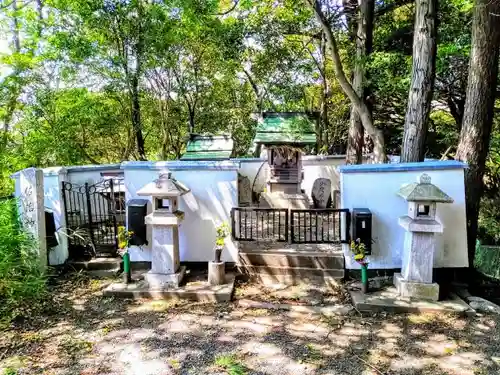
(259, 224)
(93, 214)
(320, 225)
(300, 226)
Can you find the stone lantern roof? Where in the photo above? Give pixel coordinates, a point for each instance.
(164, 186)
(424, 191)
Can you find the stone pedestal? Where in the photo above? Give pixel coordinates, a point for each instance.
(418, 257)
(165, 265)
(216, 273)
(158, 281)
(417, 290)
(415, 279)
(165, 250)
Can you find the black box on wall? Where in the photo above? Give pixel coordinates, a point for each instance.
(362, 227)
(137, 211)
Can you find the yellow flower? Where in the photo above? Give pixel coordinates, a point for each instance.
(359, 256)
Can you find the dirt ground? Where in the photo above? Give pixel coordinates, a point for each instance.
(87, 334)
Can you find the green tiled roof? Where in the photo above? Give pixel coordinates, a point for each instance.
(286, 128)
(424, 191)
(208, 147)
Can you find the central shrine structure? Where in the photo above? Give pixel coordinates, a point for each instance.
(284, 136)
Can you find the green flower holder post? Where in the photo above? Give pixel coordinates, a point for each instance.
(358, 249)
(127, 275)
(364, 278)
(124, 237)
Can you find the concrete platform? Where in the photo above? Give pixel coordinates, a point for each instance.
(192, 290)
(389, 300)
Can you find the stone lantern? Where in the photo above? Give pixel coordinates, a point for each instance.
(164, 221)
(415, 279)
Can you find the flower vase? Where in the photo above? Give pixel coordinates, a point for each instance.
(364, 278)
(218, 252)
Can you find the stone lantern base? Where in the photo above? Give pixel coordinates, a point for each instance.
(158, 281)
(416, 290)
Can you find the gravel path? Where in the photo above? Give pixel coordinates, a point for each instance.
(90, 335)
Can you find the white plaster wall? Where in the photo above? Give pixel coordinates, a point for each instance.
(377, 191)
(53, 201)
(81, 177)
(314, 167)
(213, 194)
(90, 173)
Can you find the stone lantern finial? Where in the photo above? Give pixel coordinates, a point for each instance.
(425, 179)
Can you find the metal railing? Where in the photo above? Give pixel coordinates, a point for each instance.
(299, 226)
(259, 224)
(320, 225)
(93, 214)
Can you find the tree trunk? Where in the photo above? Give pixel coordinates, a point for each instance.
(136, 118)
(191, 111)
(479, 106)
(364, 42)
(15, 90)
(422, 81)
(456, 107)
(136, 103)
(325, 97)
(16, 40)
(358, 102)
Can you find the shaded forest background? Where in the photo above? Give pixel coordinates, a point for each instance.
(101, 81)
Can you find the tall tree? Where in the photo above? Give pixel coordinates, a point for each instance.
(422, 81)
(358, 102)
(364, 43)
(479, 106)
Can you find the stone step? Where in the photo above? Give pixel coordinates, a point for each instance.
(313, 260)
(105, 273)
(292, 201)
(97, 264)
(290, 275)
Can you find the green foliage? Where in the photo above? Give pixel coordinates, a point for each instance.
(223, 231)
(230, 364)
(86, 77)
(487, 260)
(124, 237)
(489, 213)
(22, 280)
(358, 249)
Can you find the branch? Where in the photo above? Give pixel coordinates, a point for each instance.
(229, 10)
(298, 33)
(316, 62)
(390, 7)
(6, 5)
(369, 364)
(252, 83)
(357, 102)
(337, 63)
(19, 6)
